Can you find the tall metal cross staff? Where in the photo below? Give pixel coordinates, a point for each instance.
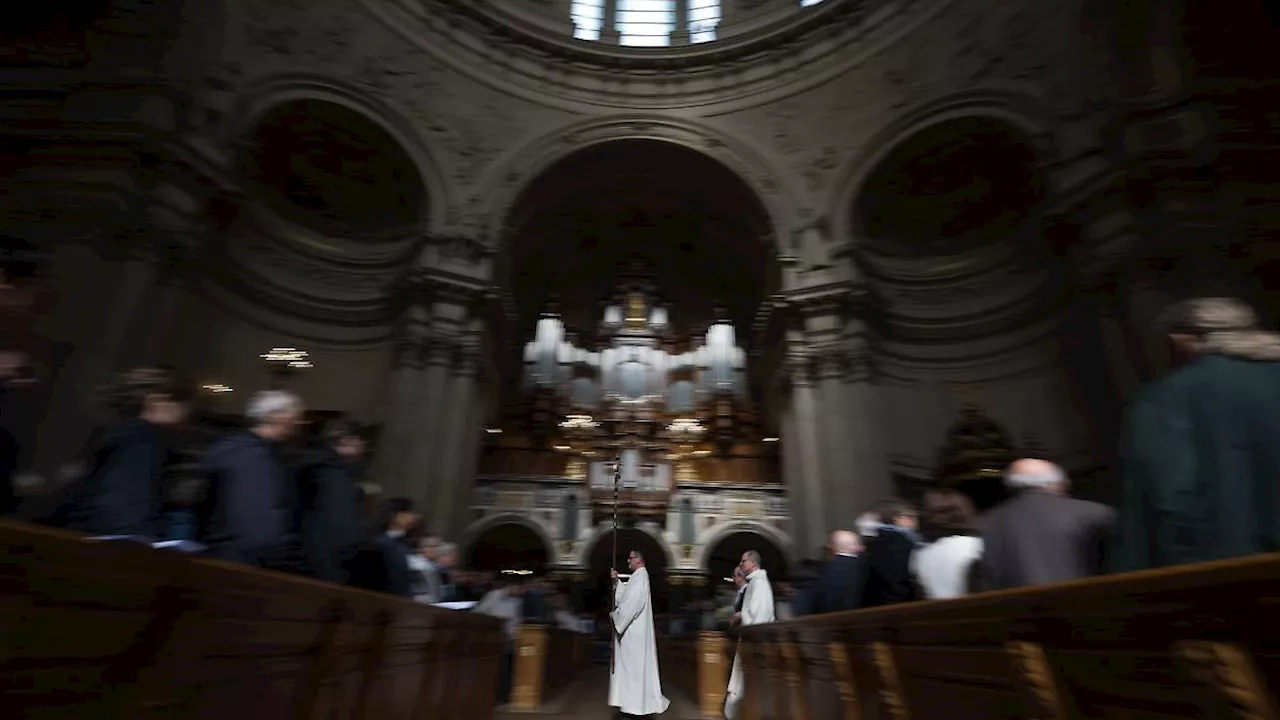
(613, 595)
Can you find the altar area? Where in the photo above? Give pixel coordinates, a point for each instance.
(667, 414)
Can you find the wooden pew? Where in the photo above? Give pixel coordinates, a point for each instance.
(112, 630)
(546, 660)
(1193, 642)
(699, 668)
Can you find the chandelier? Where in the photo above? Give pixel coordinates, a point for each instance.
(685, 429)
(287, 357)
(579, 422)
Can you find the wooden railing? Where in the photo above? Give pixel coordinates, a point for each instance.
(698, 667)
(112, 630)
(1193, 642)
(546, 659)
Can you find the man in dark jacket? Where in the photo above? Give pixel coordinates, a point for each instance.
(1041, 535)
(328, 513)
(888, 554)
(248, 510)
(844, 576)
(1202, 444)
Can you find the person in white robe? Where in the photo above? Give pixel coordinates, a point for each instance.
(757, 607)
(634, 685)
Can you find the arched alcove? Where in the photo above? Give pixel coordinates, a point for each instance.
(602, 556)
(726, 552)
(612, 207)
(948, 188)
(331, 169)
(508, 546)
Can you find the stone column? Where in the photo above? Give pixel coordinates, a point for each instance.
(396, 442)
(837, 440)
(458, 435)
(609, 31)
(804, 444)
(427, 434)
(680, 35)
(111, 290)
(869, 479)
(470, 458)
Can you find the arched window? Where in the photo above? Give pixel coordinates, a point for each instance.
(588, 18)
(704, 17)
(646, 23)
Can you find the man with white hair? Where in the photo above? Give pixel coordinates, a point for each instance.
(1041, 535)
(1202, 444)
(248, 507)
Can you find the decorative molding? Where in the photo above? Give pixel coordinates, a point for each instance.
(807, 52)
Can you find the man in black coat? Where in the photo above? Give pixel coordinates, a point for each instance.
(889, 555)
(844, 576)
(248, 510)
(328, 514)
(1042, 534)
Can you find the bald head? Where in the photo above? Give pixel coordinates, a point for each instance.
(1036, 474)
(844, 542)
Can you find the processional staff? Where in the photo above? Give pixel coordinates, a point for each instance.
(613, 595)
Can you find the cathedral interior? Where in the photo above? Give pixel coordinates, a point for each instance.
(694, 277)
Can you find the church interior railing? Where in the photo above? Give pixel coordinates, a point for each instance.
(94, 629)
(1190, 642)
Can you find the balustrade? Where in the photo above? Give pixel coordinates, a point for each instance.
(119, 630)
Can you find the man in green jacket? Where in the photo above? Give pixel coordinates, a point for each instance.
(1202, 445)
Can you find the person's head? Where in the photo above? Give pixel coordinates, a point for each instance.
(1222, 326)
(447, 556)
(399, 514)
(430, 547)
(156, 395)
(275, 415)
(946, 512)
(635, 560)
(844, 542)
(868, 524)
(750, 562)
(1036, 474)
(739, 577)
(896, 512)
(345, 438)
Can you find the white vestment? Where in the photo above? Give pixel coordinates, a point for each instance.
(634, 686)
(757, 607)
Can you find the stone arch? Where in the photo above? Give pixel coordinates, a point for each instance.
(1018, 111)
(712, 538)
(601, 532)
(261, 96)
(476, 530)
(503, 184)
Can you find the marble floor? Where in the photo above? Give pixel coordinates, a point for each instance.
(587, 698)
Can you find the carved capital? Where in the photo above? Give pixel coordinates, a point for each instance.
(408, 352)
(460, 249)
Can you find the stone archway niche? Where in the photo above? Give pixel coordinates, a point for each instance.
(508, 546)
(329, 168)
(724, 555)
(600, 557)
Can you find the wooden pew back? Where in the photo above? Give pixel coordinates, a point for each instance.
(101, 629)
(1191, 642)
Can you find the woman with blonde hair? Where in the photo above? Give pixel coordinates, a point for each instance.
(120, 490)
